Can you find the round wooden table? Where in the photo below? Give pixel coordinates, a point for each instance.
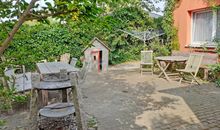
(168, 60)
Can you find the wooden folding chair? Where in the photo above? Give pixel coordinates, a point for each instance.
(191, 68)
(146, 60)
(65, 58)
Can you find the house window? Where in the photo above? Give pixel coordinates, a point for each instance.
(206, 27)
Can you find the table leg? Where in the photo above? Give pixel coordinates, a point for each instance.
(163, 70)
(45, 97)
(64, 95)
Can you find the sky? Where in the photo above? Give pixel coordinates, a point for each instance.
(161, 6)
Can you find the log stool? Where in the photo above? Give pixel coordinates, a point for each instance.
(50, 117)
(58, 116)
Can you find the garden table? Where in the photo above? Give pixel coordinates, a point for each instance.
(169, 60)
(51, 69)
(54, 67)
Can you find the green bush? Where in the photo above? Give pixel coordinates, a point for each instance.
(42, 41)
(9, 96)
(159, 49)
(215, 74)
(35, 43)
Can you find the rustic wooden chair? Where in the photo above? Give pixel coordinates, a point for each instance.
(65, 58)
(191, 68)
(83, 72)
(73, 62)
(146, 60)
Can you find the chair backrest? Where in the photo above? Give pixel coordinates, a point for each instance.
(73, 62)
(147, 56)
(63, 74)
(193, 63)
(65, 58)
(83, 71)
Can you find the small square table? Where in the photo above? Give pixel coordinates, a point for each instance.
(54, 67)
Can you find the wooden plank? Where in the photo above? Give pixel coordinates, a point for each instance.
(64, 95)
(55, 67)
(77, 101)
(23, 83)
(54, 85)
(42, 68)
(35, 78)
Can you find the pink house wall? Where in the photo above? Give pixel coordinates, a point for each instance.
(183, 21)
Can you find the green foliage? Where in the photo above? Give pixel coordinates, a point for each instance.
(35, 43)
(217, 42)
(42, 41)
(215, 73)
(123, 47)
(7, 97)
(168, 23)
(159, 49)
(2, 122)
(92, 122)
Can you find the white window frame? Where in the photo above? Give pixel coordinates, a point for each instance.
(214, 29)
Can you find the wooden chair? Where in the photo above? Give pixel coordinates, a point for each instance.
(65, 58)
(192, 67)
(73, 62)
(82, 73)
(146, 60)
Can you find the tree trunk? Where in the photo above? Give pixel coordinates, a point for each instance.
(21, 20)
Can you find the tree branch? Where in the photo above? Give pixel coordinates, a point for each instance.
(21, 20)
(33, 16)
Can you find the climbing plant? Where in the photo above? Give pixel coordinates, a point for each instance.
(37, 41)
(168, 23)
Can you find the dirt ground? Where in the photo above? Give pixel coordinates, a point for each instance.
(122, 99)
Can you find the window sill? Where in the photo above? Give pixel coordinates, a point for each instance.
(200, 48)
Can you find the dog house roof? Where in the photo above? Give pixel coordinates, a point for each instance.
(96, 39)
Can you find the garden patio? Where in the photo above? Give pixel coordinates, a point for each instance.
(109, 65)
(122, 99)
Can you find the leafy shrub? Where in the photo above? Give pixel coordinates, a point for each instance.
(8, 96)
(159, 49)
(34, 43)
(2, 122)
(215, 74)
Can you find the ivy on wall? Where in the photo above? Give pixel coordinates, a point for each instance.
(168, 23)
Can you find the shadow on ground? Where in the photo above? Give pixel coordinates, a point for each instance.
(120, 100)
